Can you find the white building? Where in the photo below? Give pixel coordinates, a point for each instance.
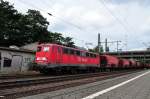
(15, 60)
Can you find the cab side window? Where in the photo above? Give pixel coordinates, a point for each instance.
(59, 50)
(46, 49)
(87, 54)
(72, 52)
(78, 53)
(83, 54)
(65, 51)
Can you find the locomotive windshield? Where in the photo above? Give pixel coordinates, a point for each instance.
(45, 49)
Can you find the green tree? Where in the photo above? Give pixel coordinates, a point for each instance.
(55, 38)
(20, 29)
(58, 38)
(68, 42)
(34, 27)
(8, 20)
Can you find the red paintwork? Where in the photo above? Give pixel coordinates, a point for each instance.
(110, 61)
(42, 54)
(59, 57)
(132, 63)
(124, 63)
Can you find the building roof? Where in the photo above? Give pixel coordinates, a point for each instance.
(17, 50)
(31, 46)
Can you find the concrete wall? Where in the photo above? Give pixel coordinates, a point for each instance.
(19, 61)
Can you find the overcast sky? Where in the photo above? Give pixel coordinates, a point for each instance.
(124, 20)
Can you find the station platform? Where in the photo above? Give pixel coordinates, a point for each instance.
(130, 86)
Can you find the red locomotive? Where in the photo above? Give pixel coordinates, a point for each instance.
(53, 57)
(58, 57)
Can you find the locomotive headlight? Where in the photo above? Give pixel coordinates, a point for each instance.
(44, 58)
(41, 58)
(37, 58)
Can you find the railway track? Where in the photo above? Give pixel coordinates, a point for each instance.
(21, 88)
(12, 83)
(7, 77)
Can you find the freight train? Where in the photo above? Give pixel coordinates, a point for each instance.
(59, 58)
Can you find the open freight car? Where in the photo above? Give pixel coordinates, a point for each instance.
(124, 63)
(109, 62)
(132, 64)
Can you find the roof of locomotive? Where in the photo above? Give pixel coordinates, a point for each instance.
(50, 44)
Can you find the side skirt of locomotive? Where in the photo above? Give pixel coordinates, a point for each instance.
(66, 68)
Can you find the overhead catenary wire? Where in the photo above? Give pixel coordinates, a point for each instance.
(50, 14)
(67, 22)
(30, 4)
(49, 5)
(130, 28)
(122, 23)
(116, 18)
(113, 15)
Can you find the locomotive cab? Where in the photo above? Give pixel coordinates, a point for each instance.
(43, 54)
(49, 54)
